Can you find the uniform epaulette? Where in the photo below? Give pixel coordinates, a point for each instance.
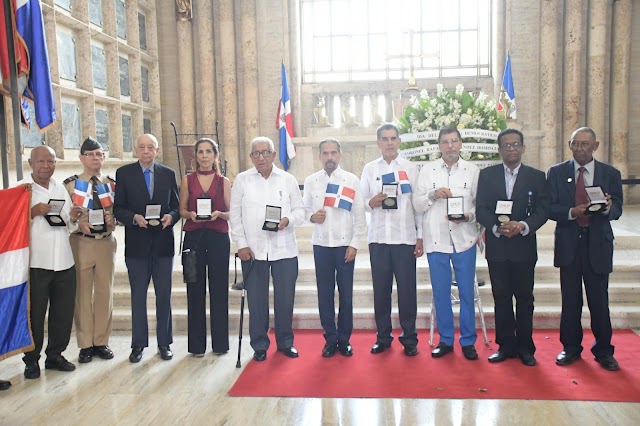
(111, 178)
(70, 179)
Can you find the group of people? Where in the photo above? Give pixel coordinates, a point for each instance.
(437, 209)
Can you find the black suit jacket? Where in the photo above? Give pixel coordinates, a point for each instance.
(132, 198)
(530, 188)
(562, 179)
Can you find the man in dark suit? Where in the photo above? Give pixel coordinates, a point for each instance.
(149, 248)
(511, 243)
(584, 246)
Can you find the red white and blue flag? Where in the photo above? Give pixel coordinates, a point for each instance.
(339, 196)
(507, 100)
(83, 194)
(284, 123)
(105, 193)
(15, 335)
(401, 178)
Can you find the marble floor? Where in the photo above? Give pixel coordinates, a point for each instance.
(190, 390)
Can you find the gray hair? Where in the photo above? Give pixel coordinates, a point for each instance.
(330, 140)
(262, 139)
(588, 130)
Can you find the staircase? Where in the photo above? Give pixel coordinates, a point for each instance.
(624, 286)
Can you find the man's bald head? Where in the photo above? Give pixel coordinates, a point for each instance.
(42, 150)
(43, 163)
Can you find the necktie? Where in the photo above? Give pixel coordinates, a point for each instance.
(581, 196)
(97, 205)
(147, 179)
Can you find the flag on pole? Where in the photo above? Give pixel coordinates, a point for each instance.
(15, 335)
(507, 101)
(105, 193)
(30, 32)
(21, 54)
(284, 123)
(339, 196)
(83, 194)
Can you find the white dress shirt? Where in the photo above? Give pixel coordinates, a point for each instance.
(250, 195)
(49, 245)
(341, 227)
(440, 234)
(393, 226)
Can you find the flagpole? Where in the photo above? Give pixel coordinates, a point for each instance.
(15, 96)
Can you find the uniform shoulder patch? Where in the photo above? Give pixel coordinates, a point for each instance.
(70, 179)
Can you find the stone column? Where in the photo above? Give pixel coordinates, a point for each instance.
(499, 53)
(620, 69)
(229, 87)
(573, 64)
(187, 87)
(549, 72)
(250, 103)
(597, 74)
(208, 111)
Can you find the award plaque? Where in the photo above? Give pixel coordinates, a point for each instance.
(152, 214)
(53, 217)
(272, 217)
(96, 220)
(597, 200)
(203, 208)
(503, 211)
(391, 191)
(455, 208)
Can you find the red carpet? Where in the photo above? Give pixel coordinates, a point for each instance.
(393, 375)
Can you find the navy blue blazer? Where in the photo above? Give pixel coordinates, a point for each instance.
(132, 197)
(562, 184)
(530, 188)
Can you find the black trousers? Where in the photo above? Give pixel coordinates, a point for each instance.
(212, 261)
(597, 288)
(387, 261)
(508, 280)
(57, 291)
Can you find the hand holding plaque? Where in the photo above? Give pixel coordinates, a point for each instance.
(53, 217)
(503, 211)
(203, 208)
(96, 220)
(272, 217)
(455, 208)
(597, 200)
(391, 191)
(152, 214)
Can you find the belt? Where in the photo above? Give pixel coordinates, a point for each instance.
(80, 234)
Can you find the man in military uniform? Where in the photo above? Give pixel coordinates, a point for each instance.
(94, 251)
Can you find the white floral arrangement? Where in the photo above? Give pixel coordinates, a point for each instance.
(450, 108)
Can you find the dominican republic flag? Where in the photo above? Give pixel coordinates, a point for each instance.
(83, 194)
(15, 335)
(105, 193)
(507, 99)
(339, 196)
(284, 123)
(399, 177)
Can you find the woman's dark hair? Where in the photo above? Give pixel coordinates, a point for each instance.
(214, 146)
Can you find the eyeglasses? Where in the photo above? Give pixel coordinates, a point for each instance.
(256, 154)
(94, 154)
(510, 146)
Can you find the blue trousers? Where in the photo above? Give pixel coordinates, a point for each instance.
(464, 266)
(331, 270)
(141, 270)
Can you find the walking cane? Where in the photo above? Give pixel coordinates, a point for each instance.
(244, 291)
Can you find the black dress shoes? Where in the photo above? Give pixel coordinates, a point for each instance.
(566, 358)
(136, 354)
(86, 355)
(4, 385)
(165, 352)
(31, 370)
(260, 356)
(608, 362)
(527, 359)
(103, 352)
(500, 356)
(329, 350)
(441, 350)
(470, 352)
(410, 350)
(345, 348)
(58, 363)
(379, 347)
(290, 352)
